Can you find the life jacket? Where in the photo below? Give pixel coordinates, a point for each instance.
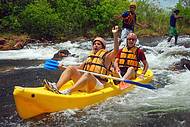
(129, 58)
(95, 63)
(129, 21)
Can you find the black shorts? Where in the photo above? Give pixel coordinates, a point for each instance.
(123, 70)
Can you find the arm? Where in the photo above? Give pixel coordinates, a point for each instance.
(115, 32)
(110, 57)
(144, 61)
(177, 16)
(145, 68)
(116, 65)
(141, 25)
(124, 15)
(80, 66)
(118, 17)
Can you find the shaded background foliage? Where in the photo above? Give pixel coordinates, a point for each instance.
(40, 19)
(184, 7)
(56, 18)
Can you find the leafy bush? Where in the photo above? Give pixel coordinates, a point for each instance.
(10, 23)
(8, 19)
(50, 18)
(102, 15)
(39, 19)
(184, 7)
(73, 14)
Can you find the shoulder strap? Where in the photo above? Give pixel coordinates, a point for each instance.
(137, 54)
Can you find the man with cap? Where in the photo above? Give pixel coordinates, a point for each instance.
(172, 28)
(99, 61)
(129, 21)
(128, 59)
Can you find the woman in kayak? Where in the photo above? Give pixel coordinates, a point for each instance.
(128, 59)
(99, 61)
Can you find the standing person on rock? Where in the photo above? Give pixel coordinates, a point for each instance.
(129, 21)
(172, 29)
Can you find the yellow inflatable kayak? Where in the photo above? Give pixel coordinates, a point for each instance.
(31, 102)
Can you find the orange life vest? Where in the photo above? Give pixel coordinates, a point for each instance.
(95, 63)
(130, 19)
(129, 58)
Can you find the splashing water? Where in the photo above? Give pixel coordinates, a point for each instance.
(138, 107)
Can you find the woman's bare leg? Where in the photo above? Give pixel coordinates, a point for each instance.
(69, 73)
(86, 82)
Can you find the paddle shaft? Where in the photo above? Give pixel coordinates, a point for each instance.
(97, 74)
(105, 76)
(53, 65)
(119, 79)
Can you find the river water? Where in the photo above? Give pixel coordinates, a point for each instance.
(167, 106)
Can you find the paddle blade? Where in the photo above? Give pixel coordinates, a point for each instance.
(51, 64)
(48, 67)
(149, 86)
(123, 85)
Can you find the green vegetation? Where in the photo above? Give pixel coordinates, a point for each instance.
(39, 19)
(60, 18)
(184, 7)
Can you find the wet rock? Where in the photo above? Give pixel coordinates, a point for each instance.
(148, 49)
(187, 45)
(2, 41)
(178, 53)
(13, 42)
(151, 41)
(183, 64)
(61, 54)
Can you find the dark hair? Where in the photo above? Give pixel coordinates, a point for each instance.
(66, 52)
(176, 11)
(57, 56)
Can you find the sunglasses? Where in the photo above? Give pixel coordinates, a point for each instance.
(132, 7)
(131, 39)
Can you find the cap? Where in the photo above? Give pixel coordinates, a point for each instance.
(133, 4)
(103, 42)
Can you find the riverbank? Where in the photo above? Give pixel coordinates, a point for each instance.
(15, 42)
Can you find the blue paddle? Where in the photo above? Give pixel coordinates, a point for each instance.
(53, 65)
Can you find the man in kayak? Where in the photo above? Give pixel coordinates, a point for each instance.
(129, 21)
(172, 28)
(99, 61)
(128, 59)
